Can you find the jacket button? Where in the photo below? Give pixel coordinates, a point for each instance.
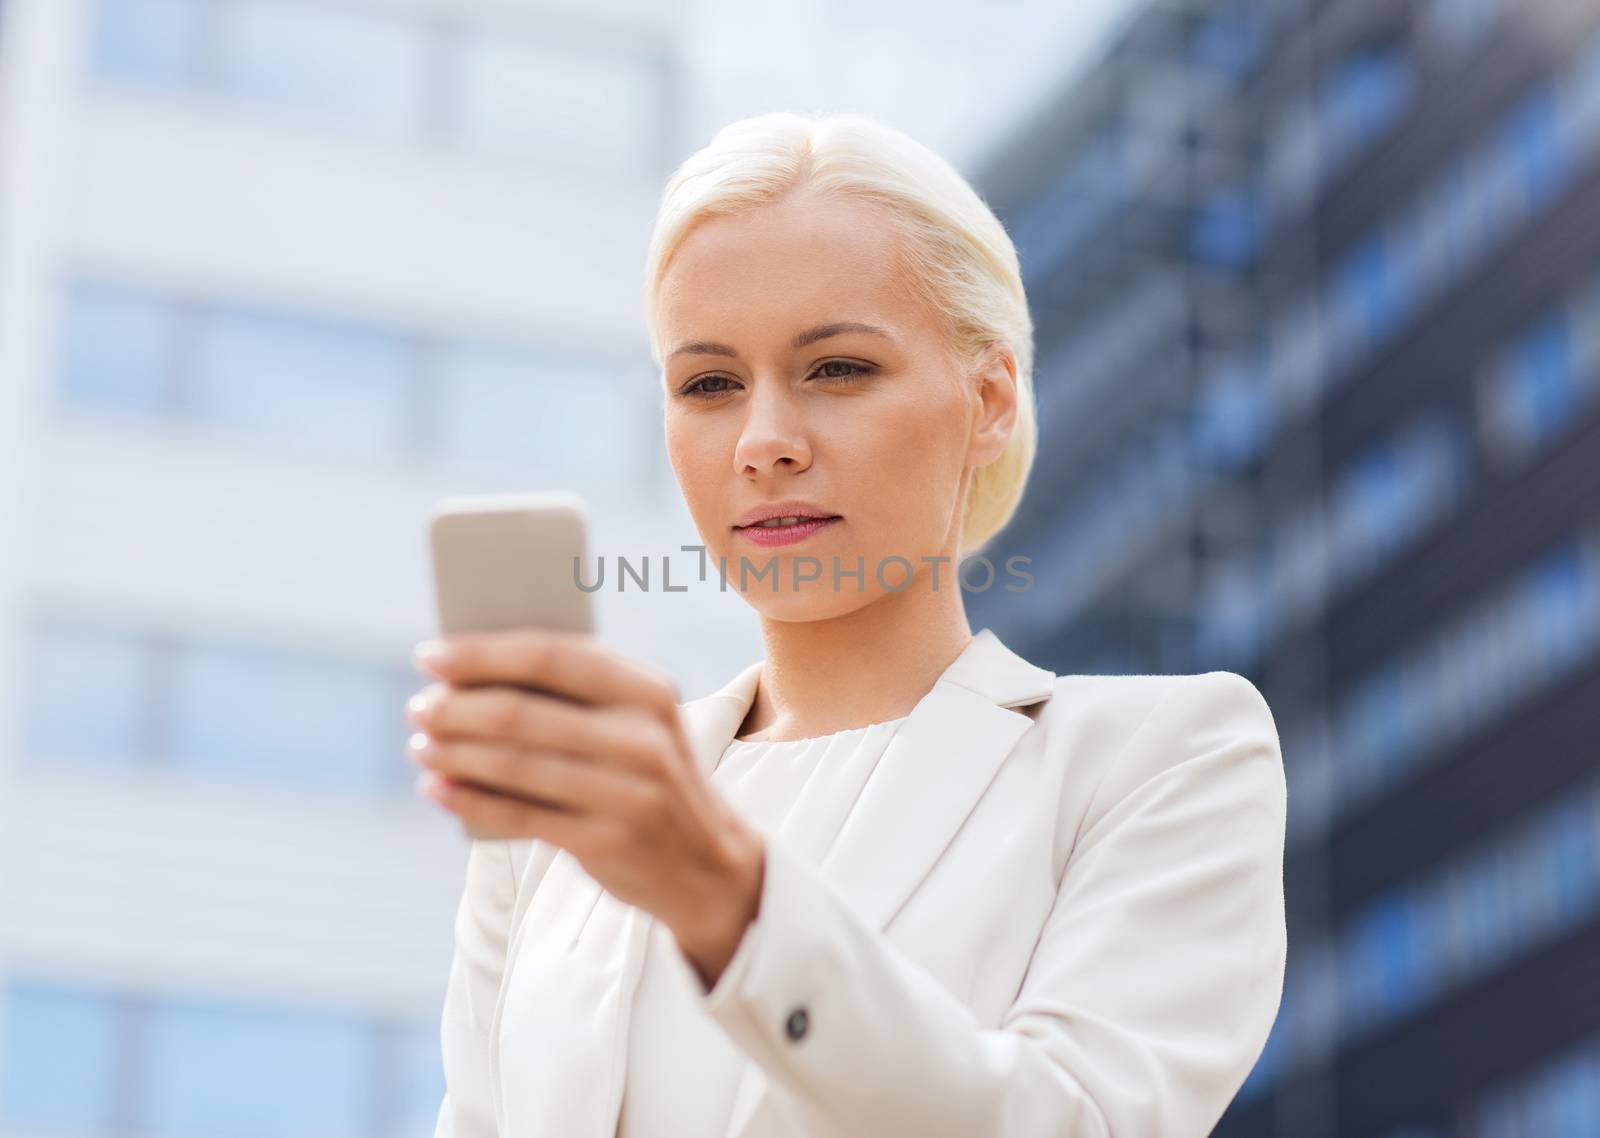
(797, 1023)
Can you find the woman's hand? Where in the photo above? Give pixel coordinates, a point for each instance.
(596, 762)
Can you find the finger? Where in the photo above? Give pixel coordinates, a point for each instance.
(561, 661)
(489, 815)
(565, 782)
(625, 736)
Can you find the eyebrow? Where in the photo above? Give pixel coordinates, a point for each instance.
(810, 336)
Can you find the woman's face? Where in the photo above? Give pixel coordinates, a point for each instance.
(769, 399)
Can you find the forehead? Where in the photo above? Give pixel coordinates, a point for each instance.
(801, 259)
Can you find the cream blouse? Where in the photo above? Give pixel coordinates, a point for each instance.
(683, 1068)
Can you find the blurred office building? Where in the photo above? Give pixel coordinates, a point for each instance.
(1317, 291)
(274, 276)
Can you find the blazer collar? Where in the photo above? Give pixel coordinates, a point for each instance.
(925, 784)
(934, 769)
(985, 667)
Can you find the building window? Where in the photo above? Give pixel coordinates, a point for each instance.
(1534, 392)
(147, 41)
(1363, 96)
(1394, 492)
(260, 373)
(1543, 152)
(262, 714)
(1370, 295)
(398, 77)
(1067, 211)
(1460, 25)
(1233, 414)
(237, 1071)
(354, 392)
(415, 1086)
(75, 1060)
(549, 415)
(1230, 41)
(1228, 227)
(90, 695)
(344, 69)
(60, 1059)
(516, 99)
(118, 349)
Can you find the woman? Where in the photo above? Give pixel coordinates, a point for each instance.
(892, 879)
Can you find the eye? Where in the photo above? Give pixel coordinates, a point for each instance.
(855, 373)
(696, 390)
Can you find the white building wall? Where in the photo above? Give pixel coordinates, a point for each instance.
(155, 880)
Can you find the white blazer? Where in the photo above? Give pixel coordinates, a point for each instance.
(1056, 909)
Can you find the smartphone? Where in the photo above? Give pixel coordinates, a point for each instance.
(504, 561)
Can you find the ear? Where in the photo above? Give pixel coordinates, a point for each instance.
(996, 380)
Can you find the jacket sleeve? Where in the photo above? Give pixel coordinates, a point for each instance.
(482, 932)
(1152, 986)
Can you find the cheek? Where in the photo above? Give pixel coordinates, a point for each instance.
(913, 463)
(697, 462)
(682, 450)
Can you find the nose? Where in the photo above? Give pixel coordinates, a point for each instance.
(774, 437)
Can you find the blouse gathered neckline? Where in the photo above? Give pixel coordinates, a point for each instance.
(844, 733)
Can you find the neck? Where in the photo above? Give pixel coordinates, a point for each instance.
(866, 666)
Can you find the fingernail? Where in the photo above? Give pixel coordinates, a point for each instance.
(418, 747)
(431, 654)
(430, 786)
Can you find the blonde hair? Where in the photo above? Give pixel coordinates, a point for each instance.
(957, 256)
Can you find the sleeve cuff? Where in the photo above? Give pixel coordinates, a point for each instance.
(762, 998)
(737, 967)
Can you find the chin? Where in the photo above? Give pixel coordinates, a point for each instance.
(815, 601)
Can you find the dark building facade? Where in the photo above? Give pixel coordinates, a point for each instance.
(1316, 286)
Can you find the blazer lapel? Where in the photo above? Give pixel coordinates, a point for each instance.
(927, 781)
(937, 765)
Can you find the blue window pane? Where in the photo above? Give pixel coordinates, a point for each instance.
(547, 415)
(1371, 295)
(1463, 204)
(1230, 41)
(1459, 24)
(1233, 415)
(1537, 149)
(117, 348)
(258, 714)
(1070, 208)
(1575, 860)
(151, 41)
(60, 1057)
(335, 68)
(415, 1087)
(1227, 230)
(89, 694)
(1366, 93)
(330, 389)
(223, 1071)
(560, 108)
(1544, 367)
(1558, 591)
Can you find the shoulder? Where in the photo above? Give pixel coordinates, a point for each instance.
(1139, 703)
(1211, 732)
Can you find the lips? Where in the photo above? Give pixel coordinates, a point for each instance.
(788, 520)
(790, 534)
(790, 508)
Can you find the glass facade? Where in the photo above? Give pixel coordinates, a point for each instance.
(216, 709)
(1362, 468)
(87, 1059)
(577, 102)
(382, 394)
